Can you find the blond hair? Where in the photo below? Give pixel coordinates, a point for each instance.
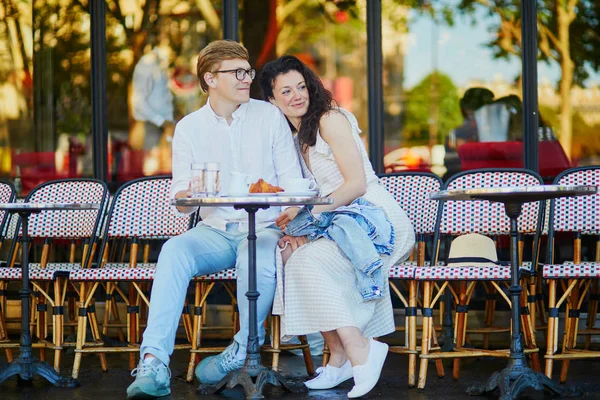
(211, 56)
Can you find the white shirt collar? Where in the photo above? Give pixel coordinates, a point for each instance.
(239, 113)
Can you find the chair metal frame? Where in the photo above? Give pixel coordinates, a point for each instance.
(469, 276)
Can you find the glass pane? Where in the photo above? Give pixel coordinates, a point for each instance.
(151, 73)
(330, 37)
(434, 121)
(44, 68)
(16, 86)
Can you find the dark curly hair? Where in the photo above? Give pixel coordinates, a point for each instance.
(320, 102)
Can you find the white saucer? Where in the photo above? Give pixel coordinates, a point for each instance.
(310, 193)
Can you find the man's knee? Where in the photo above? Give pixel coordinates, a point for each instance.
(174, 254)
(172, 248)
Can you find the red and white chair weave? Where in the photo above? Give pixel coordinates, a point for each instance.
(579, 217)
(411, 191)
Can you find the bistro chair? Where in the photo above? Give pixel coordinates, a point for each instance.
(487, 218)
(77, 229)
(411, 190)
(577, 277)
(139, 211)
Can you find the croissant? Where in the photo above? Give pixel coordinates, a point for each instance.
(261, 186)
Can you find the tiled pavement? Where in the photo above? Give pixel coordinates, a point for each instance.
(112, 384)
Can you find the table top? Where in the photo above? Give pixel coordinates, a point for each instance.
(48, 206)
(264, 200)
(516, 193)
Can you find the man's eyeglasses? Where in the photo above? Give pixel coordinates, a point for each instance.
(240, 74)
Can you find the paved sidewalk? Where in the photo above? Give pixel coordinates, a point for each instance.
(112, 384)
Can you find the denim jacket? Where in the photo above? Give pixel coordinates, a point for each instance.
(361, 230)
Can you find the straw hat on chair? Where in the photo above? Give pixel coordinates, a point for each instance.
(472, 250)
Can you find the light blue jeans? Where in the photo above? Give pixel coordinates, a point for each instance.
(200, 251)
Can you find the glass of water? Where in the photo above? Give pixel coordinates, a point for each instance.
(212, 178)
(198, 186)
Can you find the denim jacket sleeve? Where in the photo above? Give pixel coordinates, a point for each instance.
(361, 230)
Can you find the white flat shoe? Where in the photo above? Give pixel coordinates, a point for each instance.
(367, 375)
(329, 377)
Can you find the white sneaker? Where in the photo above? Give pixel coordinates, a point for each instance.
(152, 379)
(329, 377)
(367, 375)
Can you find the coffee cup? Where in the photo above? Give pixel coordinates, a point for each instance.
(297, 185)
(239, 184)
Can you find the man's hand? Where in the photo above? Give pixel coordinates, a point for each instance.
(185, 194)
(285, 217)
(294, 241)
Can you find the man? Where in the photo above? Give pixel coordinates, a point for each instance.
(152, 103)
(243, 135)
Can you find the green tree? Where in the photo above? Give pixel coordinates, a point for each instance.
(567, 35)
(418, 117)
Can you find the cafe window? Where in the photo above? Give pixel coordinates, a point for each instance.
(151, 78)
(429, 65)
(452, 94)
(330, 37)
(44, 67)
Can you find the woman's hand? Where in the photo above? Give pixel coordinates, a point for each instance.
(294, 241)
(285, 217)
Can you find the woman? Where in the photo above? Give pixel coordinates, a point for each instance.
(320, 292)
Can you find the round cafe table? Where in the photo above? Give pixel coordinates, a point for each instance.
(25, 365)
(517, 376)
(253, 368)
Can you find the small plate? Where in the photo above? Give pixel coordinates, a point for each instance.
(309, 193)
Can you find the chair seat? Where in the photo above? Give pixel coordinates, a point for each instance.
(474, 273)
(126, 265)
(403, 271)
(229, 274)
(113, 274)
(65, 267)
(526, 266)
(143, 272)
(36, 273)
(571, 270)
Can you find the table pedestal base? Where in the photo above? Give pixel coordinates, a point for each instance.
(514, 379)
(28, 368)
(251, 377)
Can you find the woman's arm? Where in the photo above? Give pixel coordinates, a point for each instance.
(337, 132)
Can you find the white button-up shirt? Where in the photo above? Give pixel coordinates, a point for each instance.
(258, 143)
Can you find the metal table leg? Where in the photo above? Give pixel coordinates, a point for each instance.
(25, 365)
(517, 376)
(253, 375)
